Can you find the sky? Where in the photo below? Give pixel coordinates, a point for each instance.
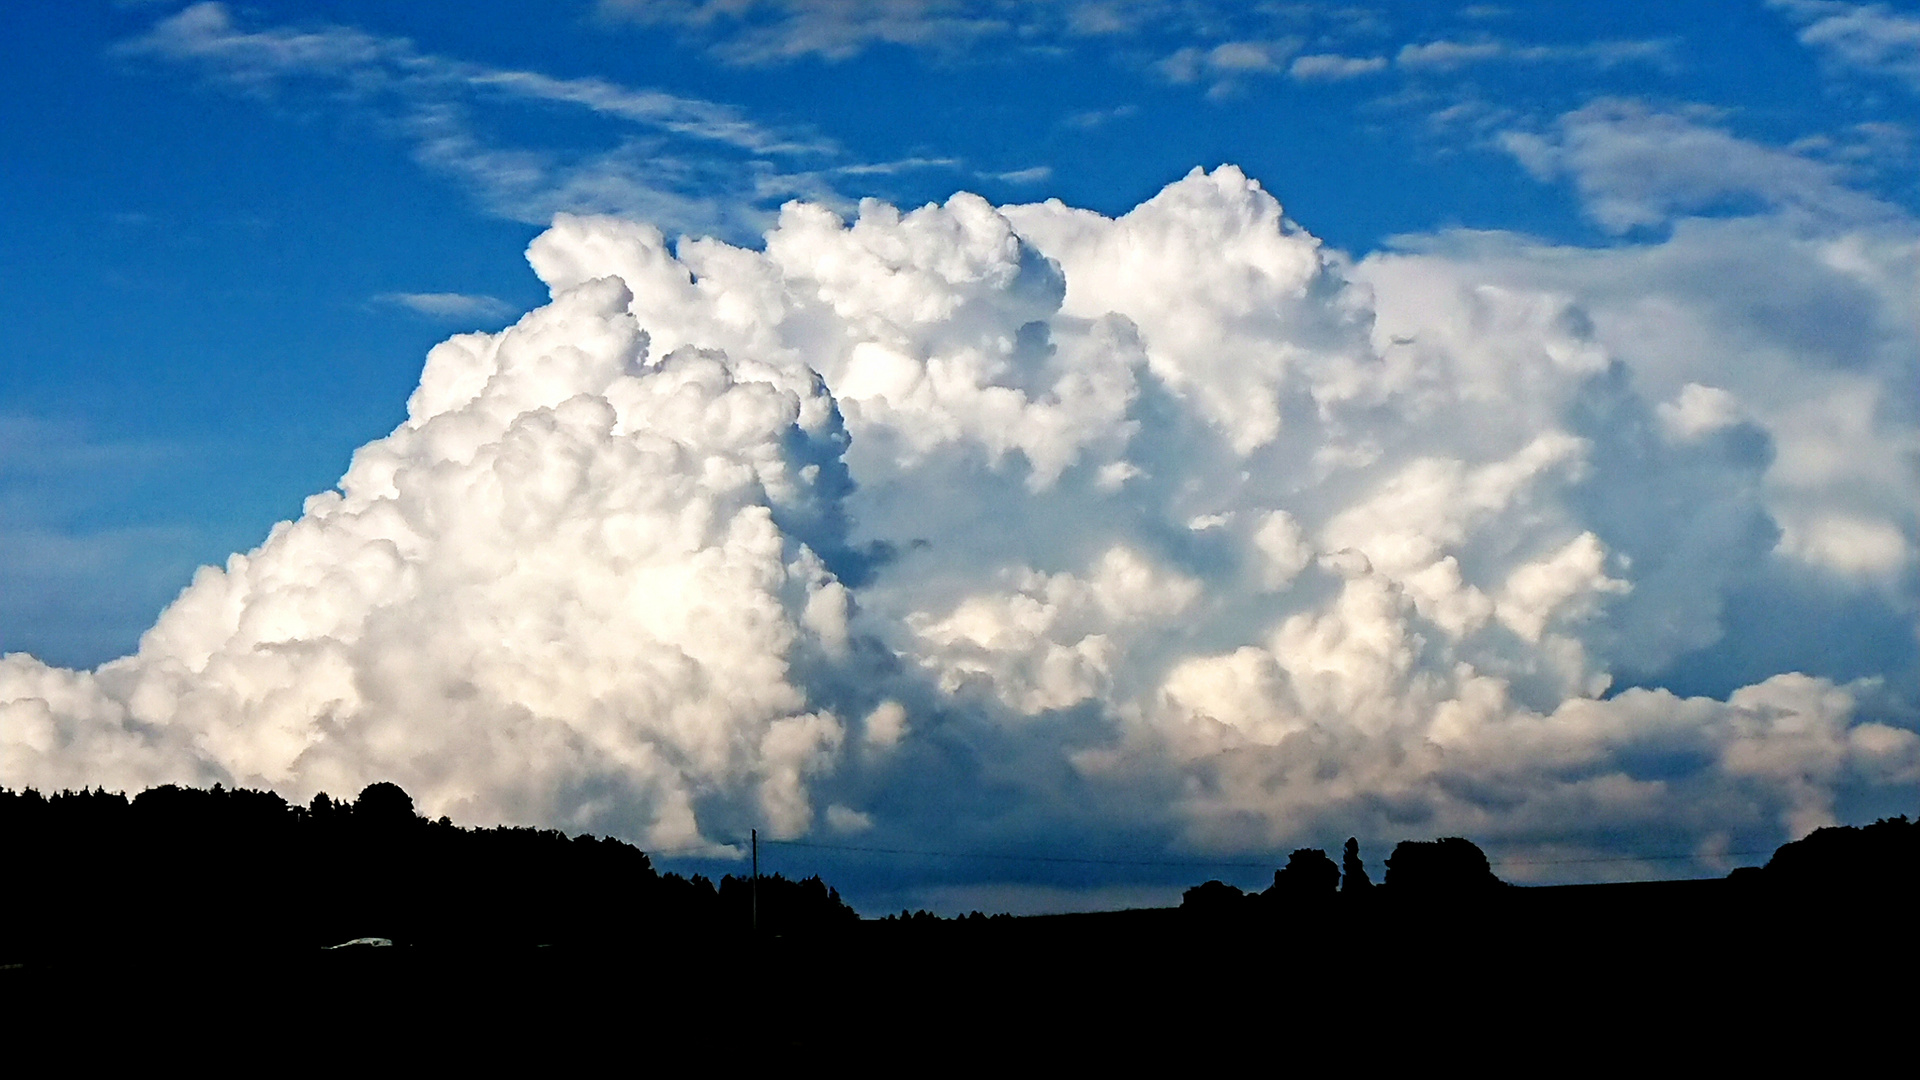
(1154, 434)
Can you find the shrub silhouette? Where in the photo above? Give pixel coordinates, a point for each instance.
(1212, 898)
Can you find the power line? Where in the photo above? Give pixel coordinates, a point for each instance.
(1216, 863)
(1620, 858)
(1022, 858)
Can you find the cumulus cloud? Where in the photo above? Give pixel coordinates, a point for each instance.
(1775, 330)
(992, 522)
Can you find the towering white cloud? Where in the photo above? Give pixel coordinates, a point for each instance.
(1001, 520)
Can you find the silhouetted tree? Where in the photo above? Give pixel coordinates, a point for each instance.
(1450, 866)
(1353, 871)
(1845, 860)
(384, 805)
(1309, 876)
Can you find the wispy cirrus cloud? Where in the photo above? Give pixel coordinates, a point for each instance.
(1224, 65)
(1221, 63)
(1211, 41)
(1096, 118)
(55, 475)
(1036, 175)
(1637, 167)
(1219, 46)
(691, 164)
(1447, 55)
(750, 32)
(760, 32)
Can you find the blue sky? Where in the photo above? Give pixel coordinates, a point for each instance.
(232, 233)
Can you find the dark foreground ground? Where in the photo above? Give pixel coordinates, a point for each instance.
(1671, 976)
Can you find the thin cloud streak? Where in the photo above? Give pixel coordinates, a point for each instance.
(1448, 55)
(1333, 67)
(449, 305)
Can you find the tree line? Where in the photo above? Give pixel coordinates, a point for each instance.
(181, 869)
(1881, 860)
(1447, 868)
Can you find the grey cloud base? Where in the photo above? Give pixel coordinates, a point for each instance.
(1001, 524)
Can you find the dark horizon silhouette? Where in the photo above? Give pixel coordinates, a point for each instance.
(373, 867)
(235, 904)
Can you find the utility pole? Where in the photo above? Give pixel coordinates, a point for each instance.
(755, 833)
